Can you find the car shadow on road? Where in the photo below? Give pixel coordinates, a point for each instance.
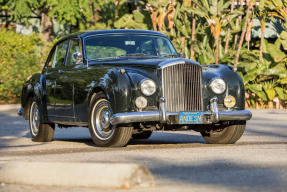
(219, 172)
(157, 138)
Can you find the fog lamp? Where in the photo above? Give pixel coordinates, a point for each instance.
(229, 101)
(141, 102)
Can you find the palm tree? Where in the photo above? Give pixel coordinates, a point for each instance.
(216, 13)
(262, 13)
(249, 8)
(228, 30)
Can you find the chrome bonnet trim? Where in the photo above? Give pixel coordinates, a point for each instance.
(177, 61)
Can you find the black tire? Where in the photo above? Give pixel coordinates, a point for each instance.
(39, 132)
(142, 135)
(102, 132)
(224, 135)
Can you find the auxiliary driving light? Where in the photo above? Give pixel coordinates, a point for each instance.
(141, 102)
(229, 101)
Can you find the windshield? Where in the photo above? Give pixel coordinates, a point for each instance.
(125, 46)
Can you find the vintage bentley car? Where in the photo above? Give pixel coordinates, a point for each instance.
(129, 83)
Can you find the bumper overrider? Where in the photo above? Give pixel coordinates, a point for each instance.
(163, 116)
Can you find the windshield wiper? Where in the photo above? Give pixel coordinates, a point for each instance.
(106, 58)
(136, 55)
(125, 56)
(169, 55)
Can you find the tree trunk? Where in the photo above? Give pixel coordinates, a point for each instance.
(270, 104)
(228, 30)
(237, 23)
(94, 13)
(46, 26)
(182, 44)
(193, 35)
(217, 50)
(242, 34)
(263, 24)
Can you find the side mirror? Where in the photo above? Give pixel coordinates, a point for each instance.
(77, 57)
(182, 55)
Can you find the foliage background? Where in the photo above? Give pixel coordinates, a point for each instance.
(20, 56)
(208, 31)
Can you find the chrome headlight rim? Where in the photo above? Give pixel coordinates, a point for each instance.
(218, 89)
(148, 87)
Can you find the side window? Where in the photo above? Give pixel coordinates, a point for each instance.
(75, 53)
(51, 59)
(58, 58)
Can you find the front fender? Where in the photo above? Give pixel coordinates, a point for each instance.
(33, 88)
(235, 86)
(117, 88)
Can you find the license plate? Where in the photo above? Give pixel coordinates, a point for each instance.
(190, 117)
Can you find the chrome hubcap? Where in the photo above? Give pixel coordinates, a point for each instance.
(35, 119)
(103, 129)
(105, 120)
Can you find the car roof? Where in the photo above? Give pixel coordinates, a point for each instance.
(112, 31)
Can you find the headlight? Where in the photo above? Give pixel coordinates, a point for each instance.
(141, 102)
(218, 86)
(229, 101)
(148, 87)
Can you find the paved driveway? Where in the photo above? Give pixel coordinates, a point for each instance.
(179, 161)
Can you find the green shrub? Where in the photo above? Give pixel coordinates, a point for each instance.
(20, 57)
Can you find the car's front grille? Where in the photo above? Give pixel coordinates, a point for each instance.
(181, 87)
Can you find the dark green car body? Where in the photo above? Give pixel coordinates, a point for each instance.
(64, 93)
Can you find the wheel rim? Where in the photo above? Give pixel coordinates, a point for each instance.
(34, 119)
(101, 122)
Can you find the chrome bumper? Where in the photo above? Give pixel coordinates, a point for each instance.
(163, 116)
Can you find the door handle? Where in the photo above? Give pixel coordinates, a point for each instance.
(60, 71)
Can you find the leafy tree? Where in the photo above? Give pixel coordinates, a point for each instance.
(70, 12)
(216, 13)
(19, 57)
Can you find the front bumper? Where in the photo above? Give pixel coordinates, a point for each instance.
(162, 116)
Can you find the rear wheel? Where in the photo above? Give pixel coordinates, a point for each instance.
(102, 132)
(39, 132)
(142, 135)
(224, 134)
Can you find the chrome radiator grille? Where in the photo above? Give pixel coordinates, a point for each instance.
(181, 87)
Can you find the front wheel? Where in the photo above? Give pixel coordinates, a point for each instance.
(39, 132)
(223, 134)
(102, 132)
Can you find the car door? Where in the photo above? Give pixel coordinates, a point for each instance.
(48, 82)
(76, 72)
(63, 86)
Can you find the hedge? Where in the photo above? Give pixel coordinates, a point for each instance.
(20, 57)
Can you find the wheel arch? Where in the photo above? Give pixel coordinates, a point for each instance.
(28, 103)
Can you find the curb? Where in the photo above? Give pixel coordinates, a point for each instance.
(101, 175)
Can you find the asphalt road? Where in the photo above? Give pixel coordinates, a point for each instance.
(179, 161)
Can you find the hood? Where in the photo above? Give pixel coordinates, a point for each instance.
(143, 63)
